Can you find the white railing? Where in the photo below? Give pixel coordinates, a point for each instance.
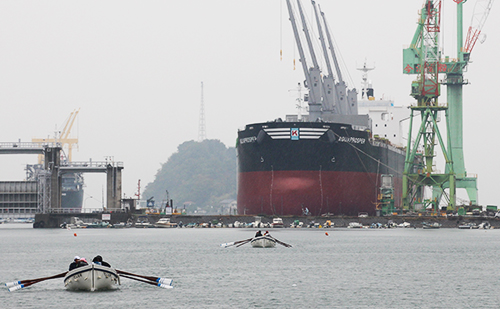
(92, 164)
(28, 145)
(81, 210)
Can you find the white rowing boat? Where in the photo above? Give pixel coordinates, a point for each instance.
(92, 277)
(263, 242)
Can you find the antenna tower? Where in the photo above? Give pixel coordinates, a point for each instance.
(201, 125)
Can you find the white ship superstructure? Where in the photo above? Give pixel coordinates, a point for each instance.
(386, 119)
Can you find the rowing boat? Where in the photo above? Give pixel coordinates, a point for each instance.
(263, 242)
(92, 277)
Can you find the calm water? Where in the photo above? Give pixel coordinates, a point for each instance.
(396, 268)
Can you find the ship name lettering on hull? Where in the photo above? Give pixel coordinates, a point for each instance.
(354, 140)
(250, 139)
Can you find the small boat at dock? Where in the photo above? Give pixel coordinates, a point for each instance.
(165, 223)
(92, 277)
(468, 226)
(277, 223)
(355, 225)
(98, 224)
(143, 222)
(404, 225)
(431, 225)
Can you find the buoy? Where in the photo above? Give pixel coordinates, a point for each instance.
(326, 233)
(74, 234)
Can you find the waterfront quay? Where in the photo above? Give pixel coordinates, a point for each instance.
(55, 220)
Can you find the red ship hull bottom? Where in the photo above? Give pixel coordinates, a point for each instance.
(315, 192)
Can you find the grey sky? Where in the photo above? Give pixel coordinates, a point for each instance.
(134, 69)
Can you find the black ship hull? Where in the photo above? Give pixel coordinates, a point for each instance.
(287, 168)
(72, 199)
(72, 191)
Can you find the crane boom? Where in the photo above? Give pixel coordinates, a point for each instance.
(307, 35)
(313, 75)
(297, 39)
(69, 124)
(63, 138)
(329, 93)
(347, 101)
(479, 16)
(332, 49)
(322, 40)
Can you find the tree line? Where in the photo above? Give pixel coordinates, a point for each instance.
(198, 176)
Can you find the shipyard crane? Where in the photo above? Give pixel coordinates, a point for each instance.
(454, 82)
(64, 138)
(423, 58)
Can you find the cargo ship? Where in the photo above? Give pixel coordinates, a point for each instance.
(332, 159)
(71, 183)
(301, 168)
(72, 190)
(71, 186)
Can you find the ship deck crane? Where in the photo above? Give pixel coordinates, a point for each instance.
(346, 98)
(313, 74)
(328, 81)
(328, 100)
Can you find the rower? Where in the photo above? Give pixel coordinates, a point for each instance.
(98, 260)
(258, 234)
(77, 262)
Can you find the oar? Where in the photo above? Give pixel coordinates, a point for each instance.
(161, 285)
(17, 285)
(20, 286)
(234, 243)
(280, 242)
(155, 279)
(9, 284)
(245, 242)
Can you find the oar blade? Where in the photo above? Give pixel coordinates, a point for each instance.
(165, 286)
(9, 284)
(228, 244)
(165, 281)
(16, 287)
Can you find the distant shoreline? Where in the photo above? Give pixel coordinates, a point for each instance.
(55, 220)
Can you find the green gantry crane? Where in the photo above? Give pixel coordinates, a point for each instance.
(423, 58)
